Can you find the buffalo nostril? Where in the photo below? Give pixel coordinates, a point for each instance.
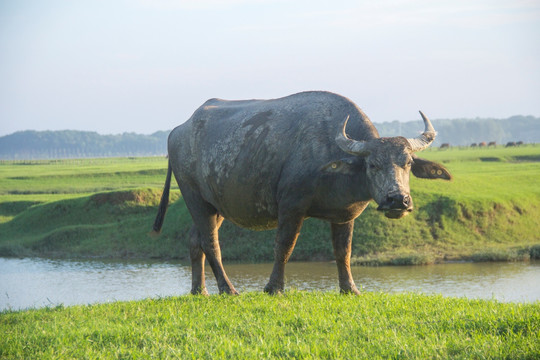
(406, 200)
(399, 201)
(393, 200)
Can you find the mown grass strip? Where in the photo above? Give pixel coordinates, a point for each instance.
(295, 325)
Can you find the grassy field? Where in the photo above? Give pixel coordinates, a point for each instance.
(298, 325)
(105, 208)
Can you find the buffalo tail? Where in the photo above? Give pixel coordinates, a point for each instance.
(158, 223)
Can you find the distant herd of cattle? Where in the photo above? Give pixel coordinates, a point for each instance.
(484, 144)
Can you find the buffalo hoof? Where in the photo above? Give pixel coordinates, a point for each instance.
(199, 291)
(273, 290)
(229, 292)
(352, 291)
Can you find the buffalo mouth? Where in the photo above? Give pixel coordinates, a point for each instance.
(396, 213)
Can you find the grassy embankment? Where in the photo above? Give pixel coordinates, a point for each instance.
(296, 325)
(105, 208)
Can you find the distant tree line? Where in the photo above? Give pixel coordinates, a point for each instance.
(464, 132)
(31, 145)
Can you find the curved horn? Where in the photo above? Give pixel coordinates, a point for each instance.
(421, 142)
(348, 145)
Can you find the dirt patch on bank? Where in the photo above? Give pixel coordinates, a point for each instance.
(139, 197)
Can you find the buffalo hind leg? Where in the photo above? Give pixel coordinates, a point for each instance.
(342, 242)
(212, 250)
(206, 225)
(286, 237)
(197, 263)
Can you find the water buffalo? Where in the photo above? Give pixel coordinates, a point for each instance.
(264, 164)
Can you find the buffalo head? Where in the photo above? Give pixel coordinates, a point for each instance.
(388, 162)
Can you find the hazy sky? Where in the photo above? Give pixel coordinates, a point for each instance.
(145, 65)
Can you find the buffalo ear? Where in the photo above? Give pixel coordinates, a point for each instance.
(343, 166)
(426, 169)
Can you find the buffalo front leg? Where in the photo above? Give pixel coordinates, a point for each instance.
(342, 242)
(287, 234)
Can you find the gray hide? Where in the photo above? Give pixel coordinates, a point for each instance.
(271, 163)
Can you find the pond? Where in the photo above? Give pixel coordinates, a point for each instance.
(29, 283)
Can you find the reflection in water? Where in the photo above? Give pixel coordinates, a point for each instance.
(39, 282)
(518, 282)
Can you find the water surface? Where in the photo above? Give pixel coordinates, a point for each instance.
(26, 283)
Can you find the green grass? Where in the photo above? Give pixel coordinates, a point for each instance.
(490, 211)
(509, 176)
(300, 325)
(50, 180)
